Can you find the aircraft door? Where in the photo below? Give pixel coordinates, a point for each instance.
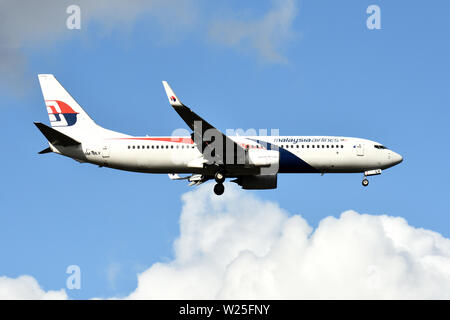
(359, 149)
(105, 152)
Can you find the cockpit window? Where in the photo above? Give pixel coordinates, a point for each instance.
(379, 146)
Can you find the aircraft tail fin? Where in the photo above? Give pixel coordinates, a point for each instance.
(62, 109)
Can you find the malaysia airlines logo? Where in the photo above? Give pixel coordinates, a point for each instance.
(173, 99)
(60, 113)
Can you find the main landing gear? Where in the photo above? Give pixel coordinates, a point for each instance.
(219, 187)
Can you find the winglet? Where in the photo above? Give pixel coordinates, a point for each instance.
(173, 99)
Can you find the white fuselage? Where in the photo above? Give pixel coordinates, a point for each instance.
(297, 154)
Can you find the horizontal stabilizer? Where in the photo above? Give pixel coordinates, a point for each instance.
(47, 150)
(55, 137)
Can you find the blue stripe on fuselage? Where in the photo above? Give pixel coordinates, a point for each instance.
(289, 162)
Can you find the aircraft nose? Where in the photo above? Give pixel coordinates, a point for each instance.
(396, 158)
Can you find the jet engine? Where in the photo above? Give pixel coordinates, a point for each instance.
(263, 158)
(257, 182)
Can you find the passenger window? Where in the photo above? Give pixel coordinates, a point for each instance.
(342, 146)
(312, 146)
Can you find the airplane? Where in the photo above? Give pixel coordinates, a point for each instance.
(253, 162)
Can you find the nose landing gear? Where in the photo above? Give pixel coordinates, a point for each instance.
(375, 172)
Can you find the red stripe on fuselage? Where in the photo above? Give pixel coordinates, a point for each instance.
(163, 139)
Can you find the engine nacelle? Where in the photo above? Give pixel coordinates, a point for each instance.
(257, 182)
(263, 158)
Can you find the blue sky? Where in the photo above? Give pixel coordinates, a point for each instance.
(317, 71)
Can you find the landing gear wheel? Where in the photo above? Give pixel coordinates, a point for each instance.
(219, 189)
(219, 177)
(365, 182)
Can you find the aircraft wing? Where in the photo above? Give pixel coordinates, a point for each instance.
(225, 151)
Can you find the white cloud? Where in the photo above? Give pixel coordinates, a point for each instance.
(239, 247)
(40, 23)
(266, 35)
(27, 288)
(30, 23)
